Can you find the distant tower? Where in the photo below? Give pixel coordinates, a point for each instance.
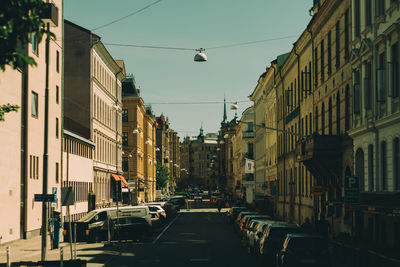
(225, 118)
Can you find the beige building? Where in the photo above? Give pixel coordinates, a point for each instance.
(174, 159)
(375, 120)
(237, 147)
(23, 133)
(93, 105)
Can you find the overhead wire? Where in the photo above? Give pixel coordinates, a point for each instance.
(127, 16)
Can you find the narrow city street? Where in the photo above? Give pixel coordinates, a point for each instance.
(191, 239)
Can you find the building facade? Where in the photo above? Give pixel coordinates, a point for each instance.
(23, 135)
(376, 120)
(93, 105)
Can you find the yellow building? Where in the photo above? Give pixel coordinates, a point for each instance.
(138, 140)
(237, 144)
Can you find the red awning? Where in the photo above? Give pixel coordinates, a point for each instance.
(121, 178)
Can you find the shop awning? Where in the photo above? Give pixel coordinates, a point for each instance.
(121, 178)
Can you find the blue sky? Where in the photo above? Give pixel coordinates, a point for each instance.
(166, 76)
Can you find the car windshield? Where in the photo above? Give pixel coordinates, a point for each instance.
(88, 216)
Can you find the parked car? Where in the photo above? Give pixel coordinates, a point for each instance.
(248, 218)
(171, 208)
(131, 228)
(233, 213)
(304, 250)
(273, 236)
(179, 200)
(255, 233)
(238, 220)
(97, 225)
(157, 208)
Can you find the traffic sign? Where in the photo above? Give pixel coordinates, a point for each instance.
(45, 197)
(351, 190)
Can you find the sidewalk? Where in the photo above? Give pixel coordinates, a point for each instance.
(30, 250)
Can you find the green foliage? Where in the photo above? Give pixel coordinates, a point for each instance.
(7, 108)
(162, 175)
(18, 20)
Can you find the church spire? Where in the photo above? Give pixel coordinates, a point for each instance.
(225, 118)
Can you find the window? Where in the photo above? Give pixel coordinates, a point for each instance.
(125, 162)
(367, 86)
(380, 7)
(357, 26)
(124, 115)
(347, 109)
(34, 41)
(250, 127)
(346, 35)
(57, 128)
(384, 166)
(359, 168)
(395, 70)
(396, 163)
(322, 62)
(57, 94)
(337, 43)
(323, 118)
(124, 138)
(34, 104)
(310, 119)
(330, 115)
(338, 113)
(58, 61)
(316, 67)
(316, 119)
(329, 53)
(368, 13)
(356, 93)
(381, 92)
(57, 173)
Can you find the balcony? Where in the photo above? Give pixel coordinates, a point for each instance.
(321, 154)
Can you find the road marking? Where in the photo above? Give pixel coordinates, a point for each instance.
(165, 229)
(198, 260)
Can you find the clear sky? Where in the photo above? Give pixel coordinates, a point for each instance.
(166, 76)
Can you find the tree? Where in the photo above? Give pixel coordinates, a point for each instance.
(19, 20)
(162, 175)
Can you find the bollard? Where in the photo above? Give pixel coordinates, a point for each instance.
(8, 257)
(61, 257)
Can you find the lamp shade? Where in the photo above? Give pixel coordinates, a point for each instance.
(200, 57)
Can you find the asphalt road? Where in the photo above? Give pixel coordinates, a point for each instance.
(190, 239)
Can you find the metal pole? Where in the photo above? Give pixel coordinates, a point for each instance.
(8, 257)
(61, 256)
(45, 151)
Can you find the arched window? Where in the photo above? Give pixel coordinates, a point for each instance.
(338, 113)
(396, 163)
(359, 170)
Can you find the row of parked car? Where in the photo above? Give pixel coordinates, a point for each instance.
(126, 222)
(278, 243)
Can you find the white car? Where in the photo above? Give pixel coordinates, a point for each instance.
(156, 207)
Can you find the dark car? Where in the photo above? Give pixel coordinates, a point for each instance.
(304, 250)
(273, 237)
(238, 220)
(131, 228)
(233, 213)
